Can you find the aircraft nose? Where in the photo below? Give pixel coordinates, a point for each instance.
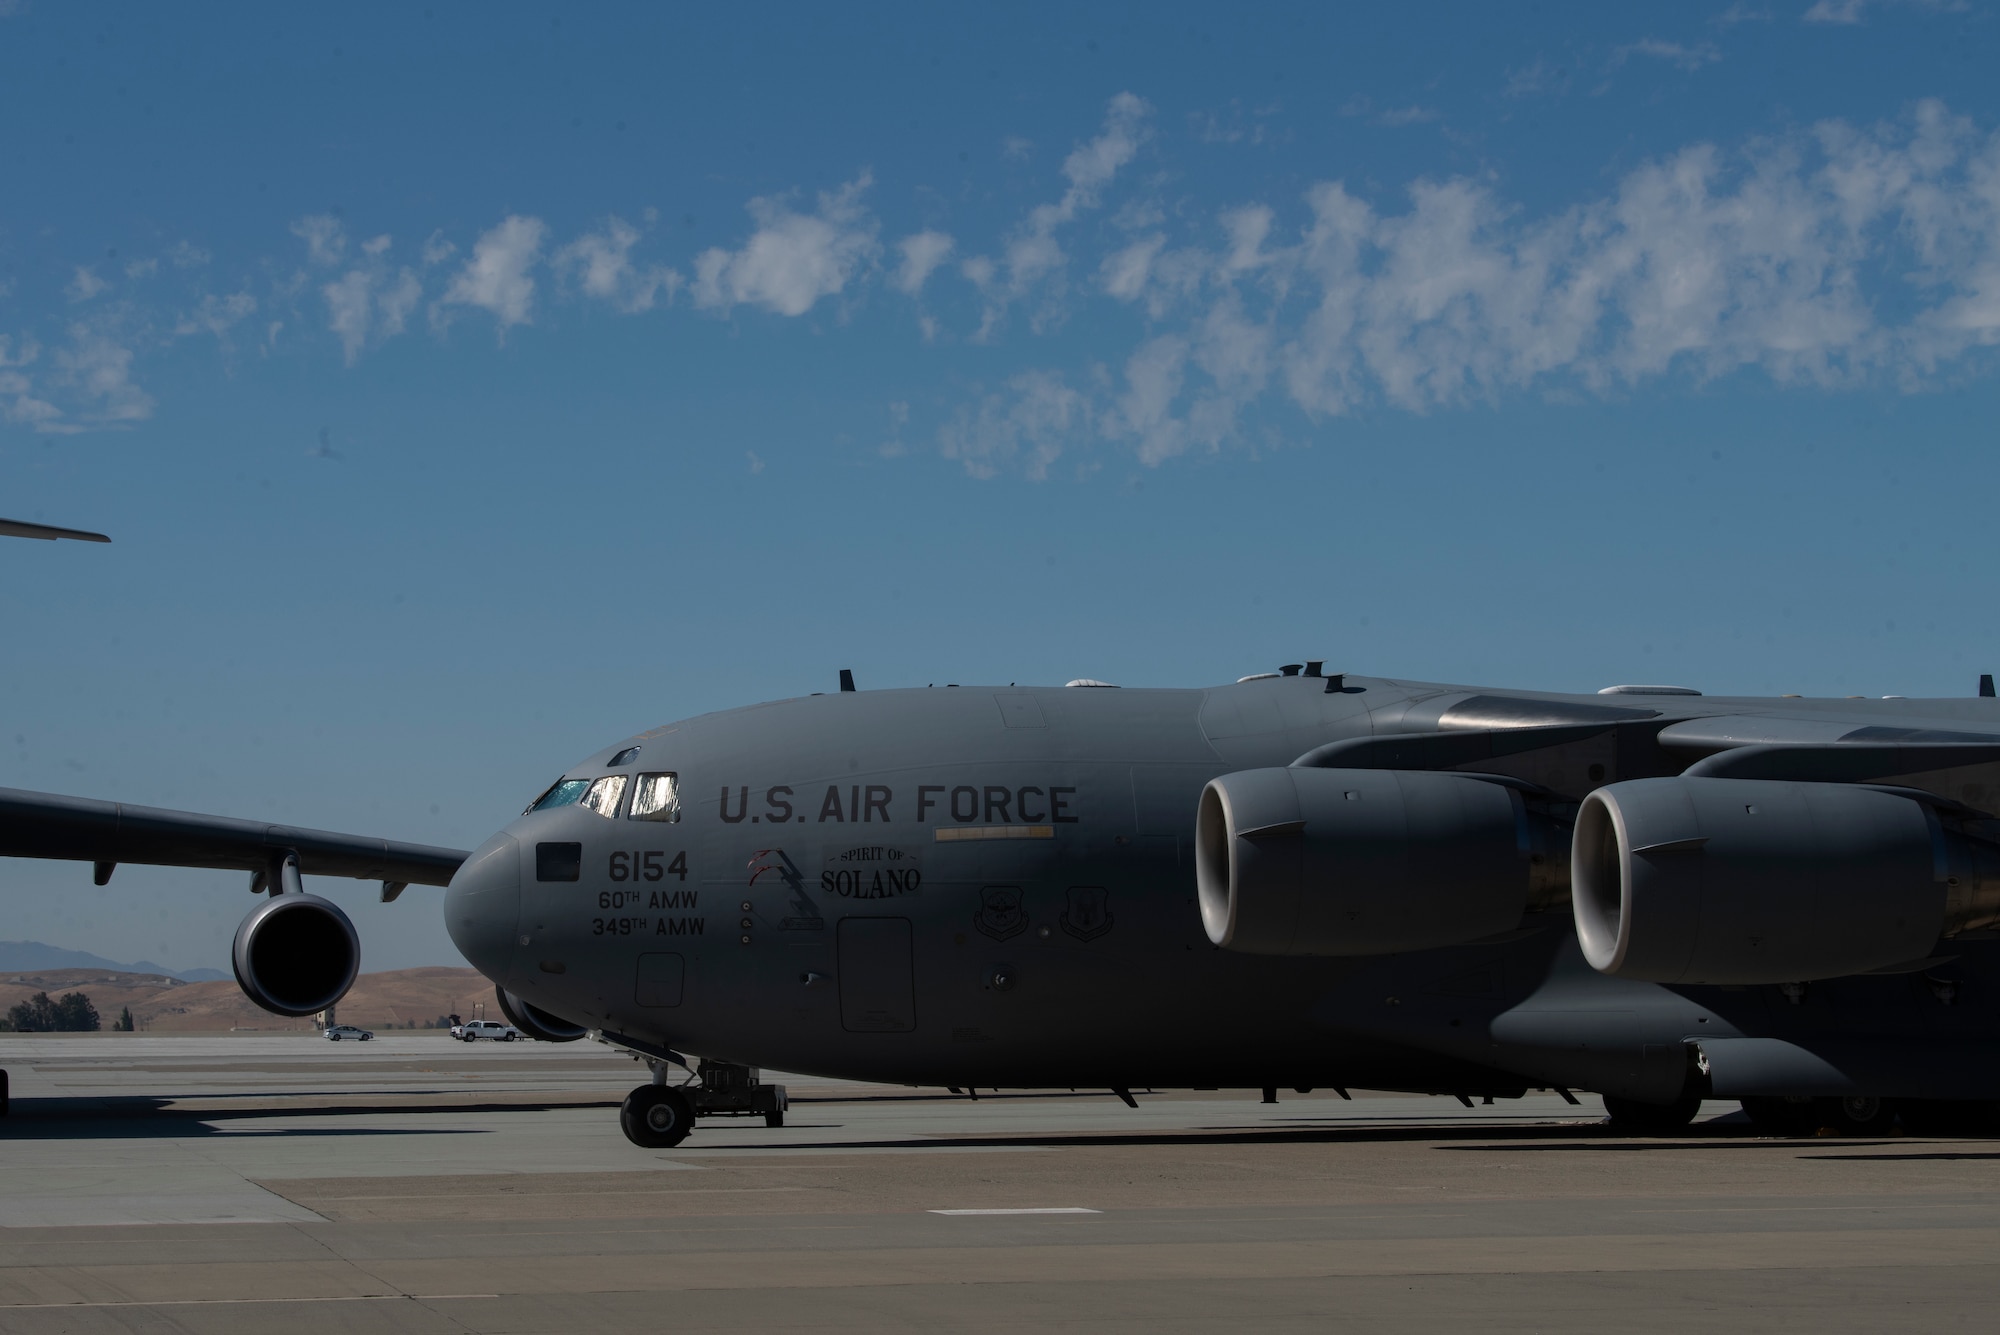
(482, 908)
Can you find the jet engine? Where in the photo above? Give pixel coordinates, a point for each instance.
(1303, 861)
(536, 1022)
(296, 954)
(1699, 880)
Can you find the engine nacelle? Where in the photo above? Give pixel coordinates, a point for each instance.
(1749, 881)
(535, 1022)
(1301, 861)
(296, 954)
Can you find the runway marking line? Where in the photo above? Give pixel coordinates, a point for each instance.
(227, 1302)
(1033, 1209)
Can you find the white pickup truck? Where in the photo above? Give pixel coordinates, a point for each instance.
(474, 1030)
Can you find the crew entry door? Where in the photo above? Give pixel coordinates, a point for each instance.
(877, 981)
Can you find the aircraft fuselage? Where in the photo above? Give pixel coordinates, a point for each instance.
(995, 887)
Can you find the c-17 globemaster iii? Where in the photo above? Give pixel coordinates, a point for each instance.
(1298, 880)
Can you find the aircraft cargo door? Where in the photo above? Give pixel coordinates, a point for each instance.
(877, 985)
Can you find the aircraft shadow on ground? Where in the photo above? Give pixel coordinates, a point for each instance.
(139, 1118)
(150, 1117)
(1203, 1136)
(145, 1118)
(1900, 1158)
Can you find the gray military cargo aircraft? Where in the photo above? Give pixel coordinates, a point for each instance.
(1297, 880)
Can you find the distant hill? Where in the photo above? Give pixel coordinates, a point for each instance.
(19, 956)
(398, 998)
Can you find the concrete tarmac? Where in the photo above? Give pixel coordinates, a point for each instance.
(413, 1184)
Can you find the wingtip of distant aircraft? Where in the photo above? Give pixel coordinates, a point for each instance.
(19, 528)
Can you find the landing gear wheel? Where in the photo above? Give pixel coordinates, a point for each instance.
(774, 1119)
(1651, 1119)
(655, 1117)
(1860, 1116)
(1774, 1116)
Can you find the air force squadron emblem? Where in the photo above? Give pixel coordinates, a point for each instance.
(1000, 915)
(1087, 916)
(805, 915)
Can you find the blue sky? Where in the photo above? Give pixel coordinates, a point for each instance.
(468, 386)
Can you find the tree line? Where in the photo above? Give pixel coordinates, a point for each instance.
(71, 1013)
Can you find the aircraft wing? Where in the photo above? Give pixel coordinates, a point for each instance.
(80, 829)
(21, 528)
(1723, 731)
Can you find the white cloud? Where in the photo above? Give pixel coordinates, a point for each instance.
(1851, 11)
(395, 301)
(497, 277)
(1124, 272)
(1229, 126)
(1092, 165)
(1843, 257)
(187, 255)
(325, 238)
(215, 315)
(1028, 425)
(1678, 54)
(1539, 77)
(979, 271)
(1360, 104)
(86, 284)
(922, 253)
(1032, 256)
(84, 385)
(96, 369)
(371, 301)
(793, 259)
(18, 401)
(349, 301)
(601, 263)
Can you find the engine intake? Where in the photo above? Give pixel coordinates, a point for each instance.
(296, 954)
(1695, 880)
(1302, 861)
(535, 1022)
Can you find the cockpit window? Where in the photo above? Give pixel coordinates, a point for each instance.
(561, 793)
(604, 795)
(656, 797)
(622, 758)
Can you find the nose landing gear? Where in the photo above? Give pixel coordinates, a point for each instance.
(659, 1116)
(656, 1117)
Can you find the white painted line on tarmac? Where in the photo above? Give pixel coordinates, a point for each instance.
(1035, 1209)
(239, 1302)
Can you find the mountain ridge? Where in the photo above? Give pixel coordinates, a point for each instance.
(39, 956)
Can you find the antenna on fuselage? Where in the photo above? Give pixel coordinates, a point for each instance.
(847, 679)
